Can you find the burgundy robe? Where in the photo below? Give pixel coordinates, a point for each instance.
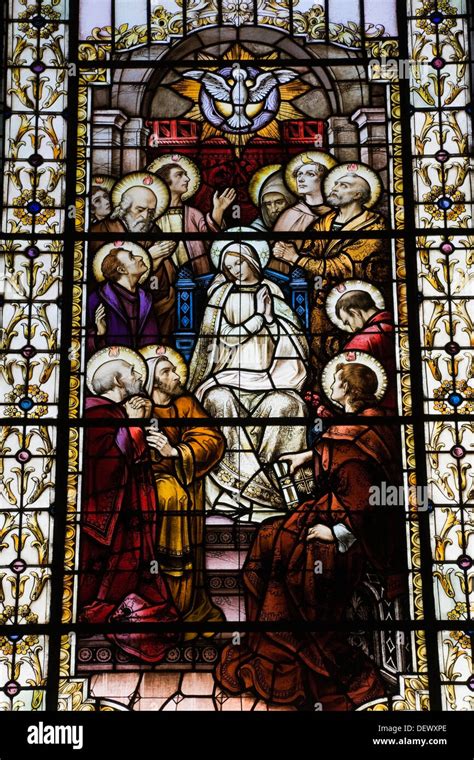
(377, 338)
(118, 522)
(301, 667)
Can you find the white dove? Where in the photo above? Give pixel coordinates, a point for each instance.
(240, 95)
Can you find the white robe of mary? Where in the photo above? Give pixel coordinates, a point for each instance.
(246, 368)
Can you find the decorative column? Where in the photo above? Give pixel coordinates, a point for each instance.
(135, 136)
(342, 138)
(107, 141)
(371, 123)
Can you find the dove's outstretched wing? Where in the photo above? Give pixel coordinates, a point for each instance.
(264, 83)
(214, 84)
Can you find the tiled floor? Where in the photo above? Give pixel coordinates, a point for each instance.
(171, 692)
(177, 690)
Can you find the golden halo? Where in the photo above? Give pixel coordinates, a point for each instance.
(308, 157)
(143, 179)
(353, 357)
(362, 170)
(344, 287)
(245, 235)
(104, 181)
(104, 250)
(150, 353)
(186, 163)
(110, 354)
(258, 179)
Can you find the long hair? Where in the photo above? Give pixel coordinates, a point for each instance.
(362, 385)
(164, 172)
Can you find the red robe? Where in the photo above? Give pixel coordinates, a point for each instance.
(117, 582)
(377, 338)
(301, 667)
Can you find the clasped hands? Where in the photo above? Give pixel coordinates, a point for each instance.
(139, 407)
(286, 252)
(264, 305)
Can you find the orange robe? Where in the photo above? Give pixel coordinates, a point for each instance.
(295, 219)
(336, 260)
(181, 515)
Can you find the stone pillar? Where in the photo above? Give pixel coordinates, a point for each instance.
(343, 139)
(135, 136)
(371, 123)
(107, 142)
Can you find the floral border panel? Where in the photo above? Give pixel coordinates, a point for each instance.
(442, 140)
(168, 20)
(30, 282)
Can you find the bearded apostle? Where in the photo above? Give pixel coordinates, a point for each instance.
(138, 200)
(269, 193)
(182, 454)
(352, 189)
(118, 521)
(338, 528)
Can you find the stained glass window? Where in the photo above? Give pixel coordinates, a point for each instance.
(236, 370)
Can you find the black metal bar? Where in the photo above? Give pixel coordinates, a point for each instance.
(63, 423)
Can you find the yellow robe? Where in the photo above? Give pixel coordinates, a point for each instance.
(181, 516)
(336, 260)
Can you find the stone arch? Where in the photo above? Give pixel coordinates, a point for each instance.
(131, 87)
(342, 95)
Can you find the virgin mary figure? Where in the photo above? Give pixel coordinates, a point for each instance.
(248, 368)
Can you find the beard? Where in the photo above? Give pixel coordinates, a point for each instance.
(273, 216)
(171, 390)
(334, 200)
(140, 225)
(132, 387)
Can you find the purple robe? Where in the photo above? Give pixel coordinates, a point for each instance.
(122, 328)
